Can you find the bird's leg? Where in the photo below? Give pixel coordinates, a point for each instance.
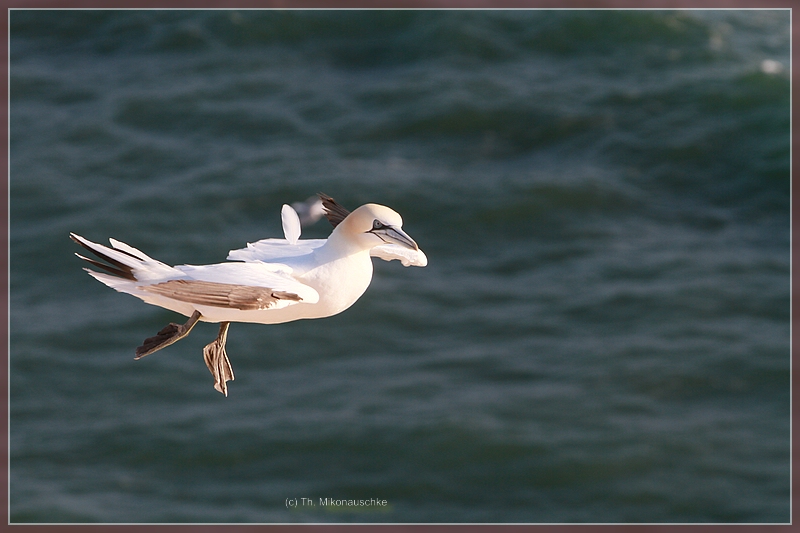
(169, 334)
(217, 360)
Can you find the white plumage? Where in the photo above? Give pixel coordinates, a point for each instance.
(271, 281)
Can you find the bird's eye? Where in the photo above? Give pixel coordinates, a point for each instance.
(377, 224)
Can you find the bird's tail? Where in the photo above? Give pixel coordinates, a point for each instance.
(124, 263)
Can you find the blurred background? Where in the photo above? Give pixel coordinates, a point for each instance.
(601, 334)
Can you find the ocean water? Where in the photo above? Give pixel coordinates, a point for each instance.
(601, 335)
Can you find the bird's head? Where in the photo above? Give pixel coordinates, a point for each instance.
(372, 225)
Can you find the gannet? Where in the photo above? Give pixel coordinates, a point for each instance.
(269, 282)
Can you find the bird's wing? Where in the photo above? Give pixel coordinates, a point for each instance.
(254, 285)
(407, 256)
(309, 211)
(333, 211)
(243, 297)
(273, 250)
(269, 250)
(291, 224)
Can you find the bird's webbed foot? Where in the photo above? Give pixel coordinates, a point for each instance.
(169, 334)
(217, 360)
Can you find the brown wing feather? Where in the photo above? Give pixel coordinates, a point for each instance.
(244, 297)
(334, 212)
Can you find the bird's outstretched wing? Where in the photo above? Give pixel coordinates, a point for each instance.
(334, 212)
(274, 250)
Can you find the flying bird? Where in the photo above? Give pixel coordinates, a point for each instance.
(309, 210)
(269, 282)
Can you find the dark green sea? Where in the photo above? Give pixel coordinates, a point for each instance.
(602, 333)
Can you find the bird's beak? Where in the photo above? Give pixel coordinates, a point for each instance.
(394, 235)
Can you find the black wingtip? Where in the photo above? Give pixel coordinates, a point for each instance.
(334, 212)
(115, 267)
